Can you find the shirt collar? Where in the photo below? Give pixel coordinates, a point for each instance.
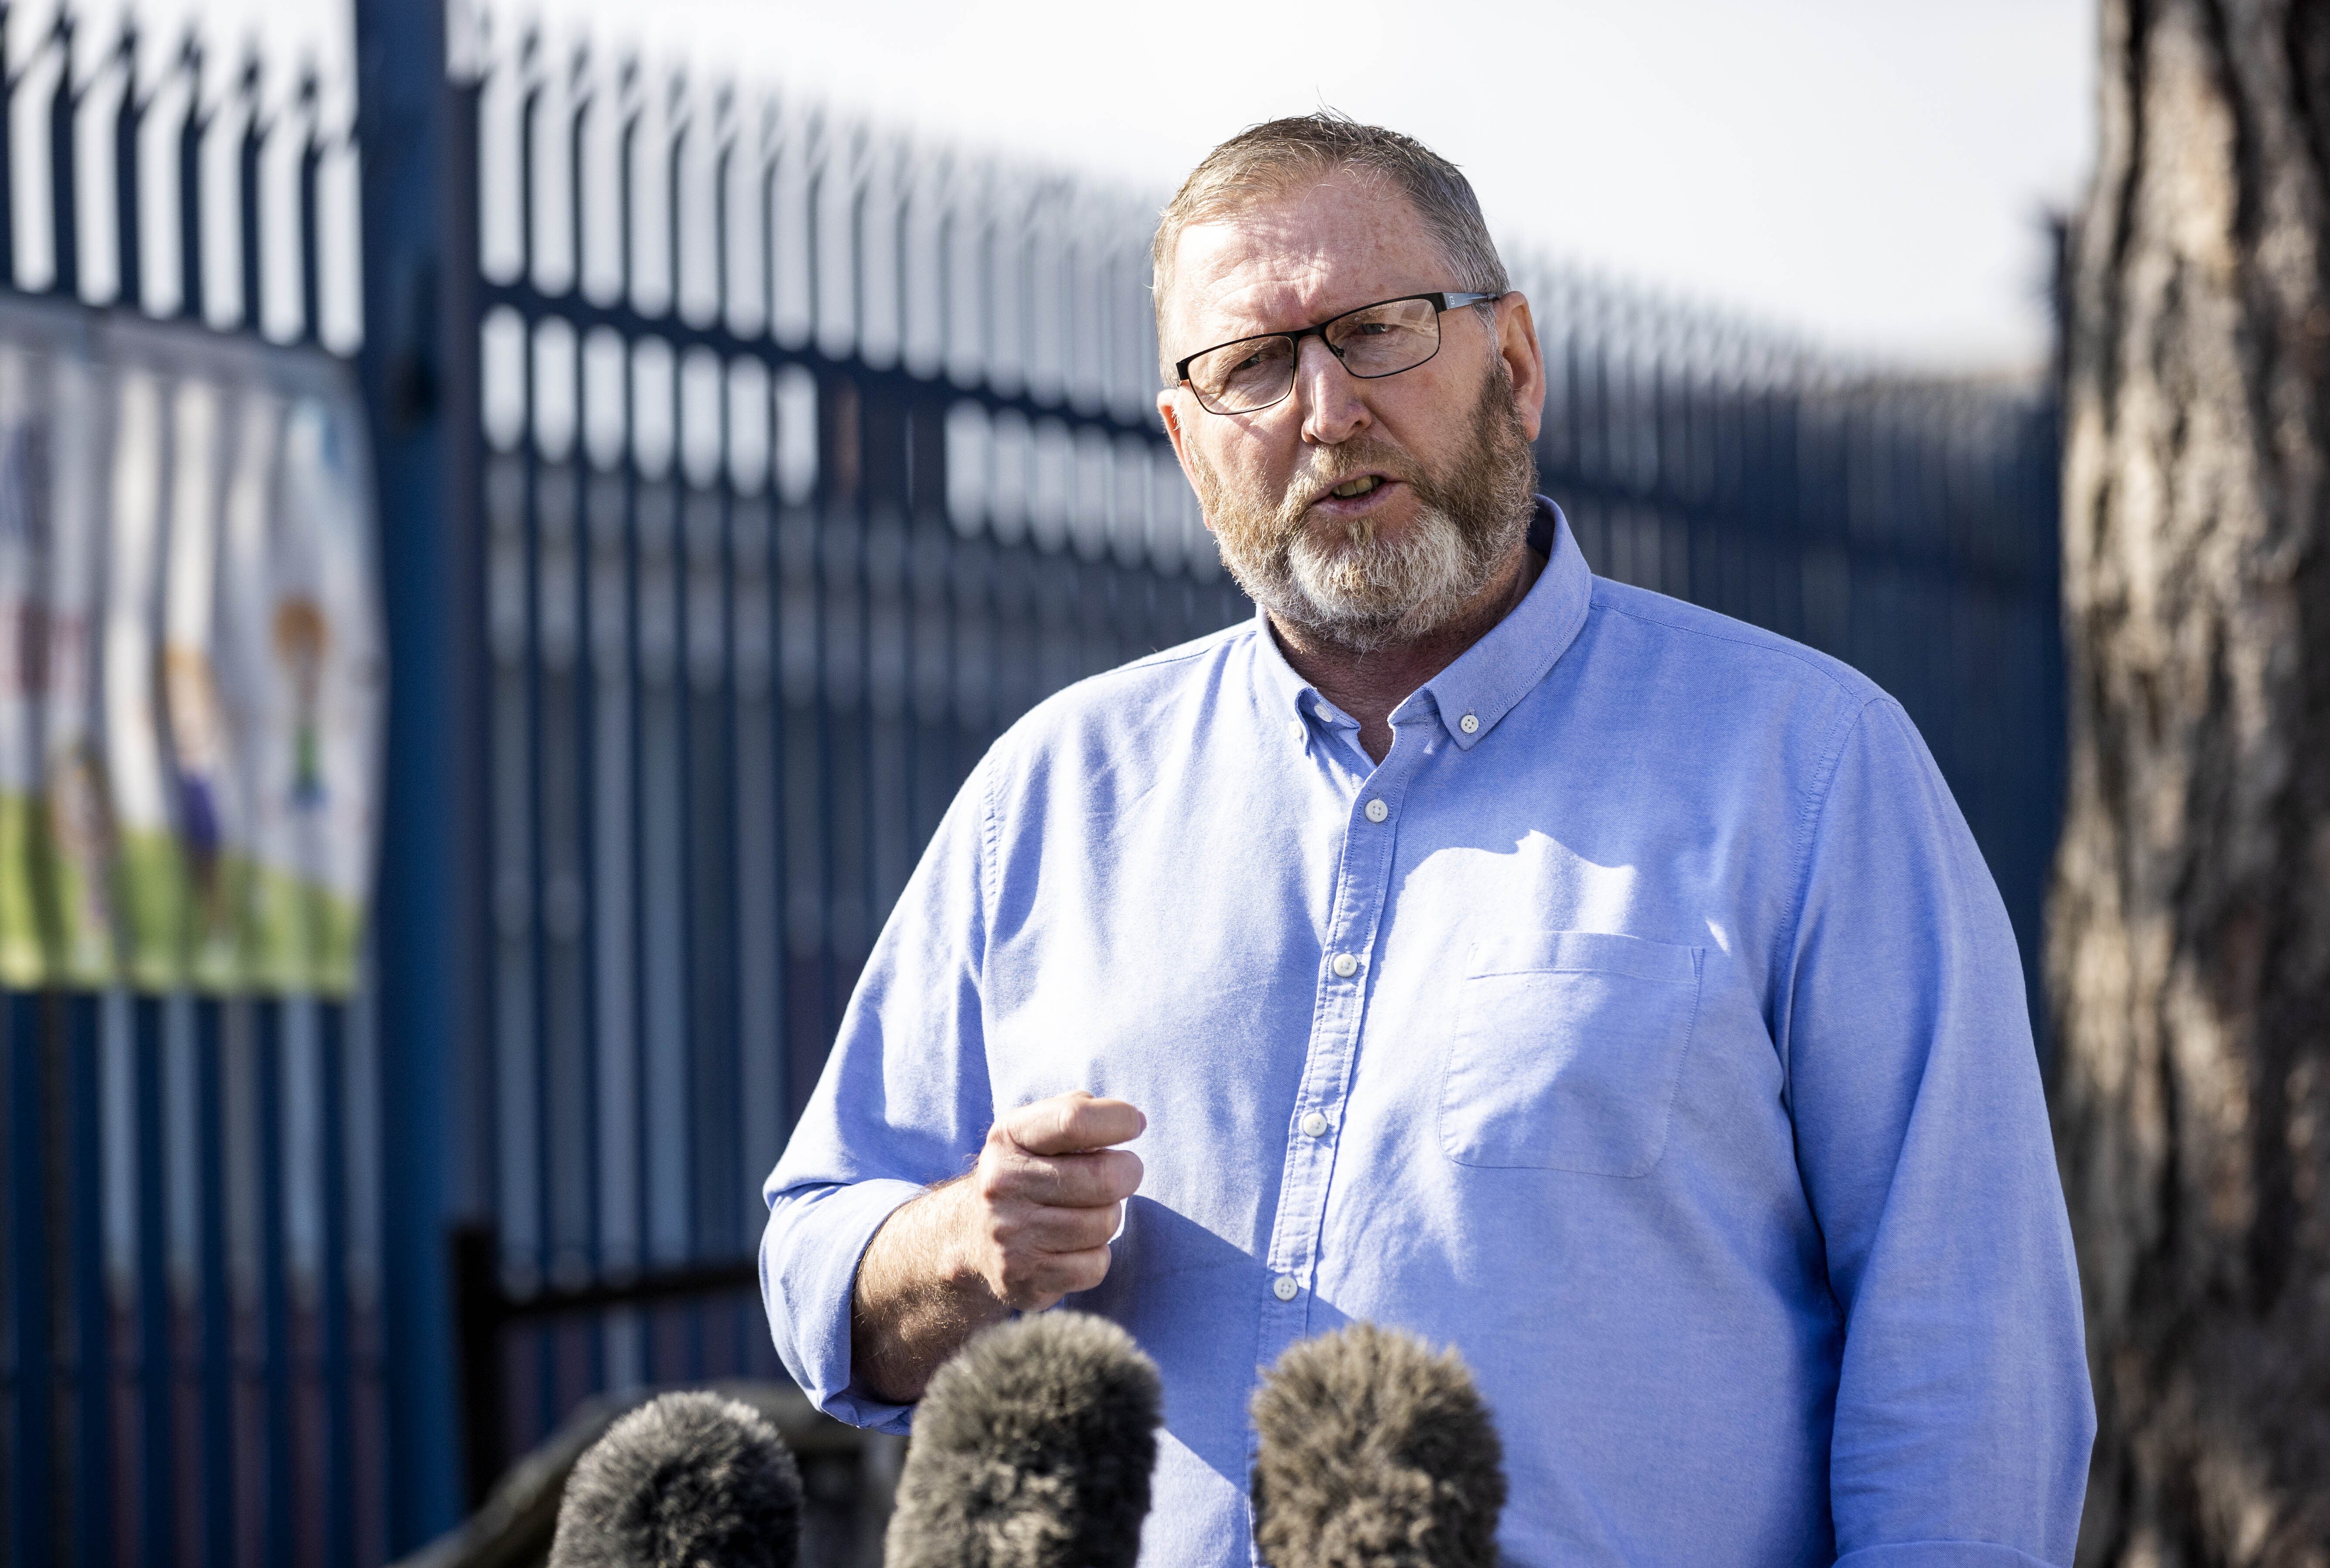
(1489, 679)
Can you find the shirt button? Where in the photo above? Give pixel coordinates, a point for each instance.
(1314, 1126)
(1284, 1287)
(1378, 811)
(1346, 966)
(1295, 731)
(1469, 723)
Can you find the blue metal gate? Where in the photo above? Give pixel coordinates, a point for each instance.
(190, 1340)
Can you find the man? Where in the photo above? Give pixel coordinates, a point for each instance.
(1569, 975)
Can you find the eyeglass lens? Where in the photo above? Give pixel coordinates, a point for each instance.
(1256, 372)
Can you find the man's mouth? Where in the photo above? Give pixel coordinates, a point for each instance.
(1355, 496)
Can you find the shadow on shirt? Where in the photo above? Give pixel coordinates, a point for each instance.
(1200, 1306)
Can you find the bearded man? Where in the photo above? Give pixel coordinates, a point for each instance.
(1565, 974)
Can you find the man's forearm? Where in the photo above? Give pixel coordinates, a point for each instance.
(1030, 1223)
(918, 1295)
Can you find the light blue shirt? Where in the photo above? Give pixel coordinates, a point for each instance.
(1645, 1026)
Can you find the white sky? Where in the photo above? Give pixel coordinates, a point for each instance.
(1870, 173)
(1873, 173)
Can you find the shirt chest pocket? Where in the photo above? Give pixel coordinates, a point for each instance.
(1567, 1050)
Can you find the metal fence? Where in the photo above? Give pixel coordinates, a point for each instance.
(811, 464)
(190, 1345)
(745, 472)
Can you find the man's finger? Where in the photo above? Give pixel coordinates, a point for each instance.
(1072, 1123)
(1070, 1181)
(1057, 1231)
(1065, 1272)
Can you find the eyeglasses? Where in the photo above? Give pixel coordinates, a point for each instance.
(1375, 340)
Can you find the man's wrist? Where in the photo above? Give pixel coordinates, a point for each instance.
(957, 1248)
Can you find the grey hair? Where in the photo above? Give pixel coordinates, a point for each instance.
(1280, 155)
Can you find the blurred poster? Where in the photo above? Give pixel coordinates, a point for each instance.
(198, 611)
(192, 675)
(24, 650)
(315, 704)
(76, 870)
(148, 883)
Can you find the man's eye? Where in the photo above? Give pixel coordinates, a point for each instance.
(1264, 355)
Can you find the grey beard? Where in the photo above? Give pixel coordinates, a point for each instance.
(1367, 595)
(1364, 594)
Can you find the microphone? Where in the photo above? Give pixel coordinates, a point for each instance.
(686, 1481)
(1032, 1449)
(1376, 1453)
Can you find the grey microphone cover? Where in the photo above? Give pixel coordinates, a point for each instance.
(686, 1481)
(1376, 1453)
(1032, 1449)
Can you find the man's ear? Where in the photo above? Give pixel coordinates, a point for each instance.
(1168, 409)
(1524, 357)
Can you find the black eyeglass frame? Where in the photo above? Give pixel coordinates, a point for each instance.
(1442, 305)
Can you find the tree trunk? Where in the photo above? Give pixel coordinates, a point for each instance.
(2189, 946)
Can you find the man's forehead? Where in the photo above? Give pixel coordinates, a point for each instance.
(1286, 260)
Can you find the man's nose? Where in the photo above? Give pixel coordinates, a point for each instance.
(1329, 394)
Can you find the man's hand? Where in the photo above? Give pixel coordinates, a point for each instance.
(1048, 1191)
(1029, 1224)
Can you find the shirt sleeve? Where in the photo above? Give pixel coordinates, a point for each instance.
(1963, 1416)
(902, 1102)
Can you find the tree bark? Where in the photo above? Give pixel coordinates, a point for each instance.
(2189, 942)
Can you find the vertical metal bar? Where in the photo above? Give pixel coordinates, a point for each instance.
(859, 516)
(11, 1137)
(537, 958)
(780, 958)
(311, 163)
(586, 730)
(634, 671)
(157, 1492)
(338, 1373)
(217, 1323)
(418, 132)
(678, 125)
(193, 128)
(830, 392)
(32, 1440)
(246, 194)
(274, 1286)
(914, 516)
(64, 186)
(9, 81)
(780, 870)
(726, 1108)
(93, 1515)
(949, 545)
(128, 268)
(820, 709)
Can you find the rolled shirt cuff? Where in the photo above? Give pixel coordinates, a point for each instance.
(821, 1234)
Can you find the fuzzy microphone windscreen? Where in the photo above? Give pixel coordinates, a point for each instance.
(1032, 1449)
(686, 1481)
(1376, 1453)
